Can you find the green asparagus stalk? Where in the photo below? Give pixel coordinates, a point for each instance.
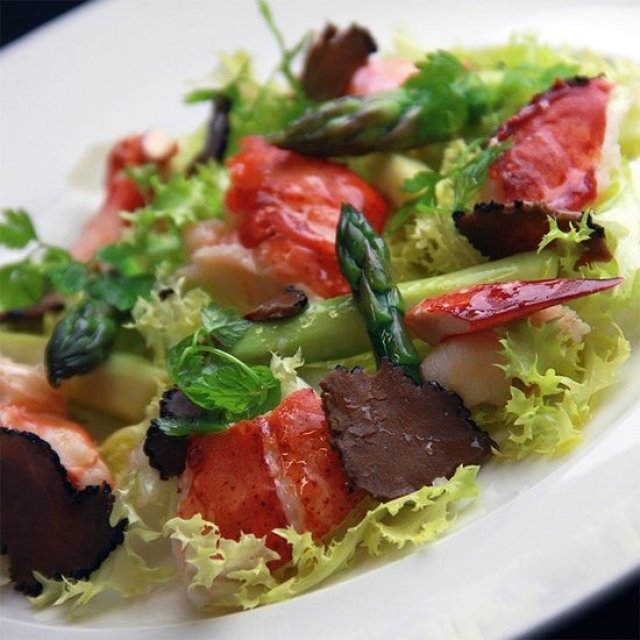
(122, 387)
(81, 340)
(334, 329)
(394, 120)
(442, 100)
(364, 258)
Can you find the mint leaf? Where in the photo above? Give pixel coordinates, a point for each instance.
(225, 325)
(207, 422)
(220, 383)
(17, 230)
(229, 386)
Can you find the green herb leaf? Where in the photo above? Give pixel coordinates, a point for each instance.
(225, 325)
(21, 285)
(17, 231)
(423, 180)
(70, 278)
(439, 68)
(119, 291)
(122, 257)
(288, 55)
(207, 422)
(204, 94)
(220, 383)
(470, 178)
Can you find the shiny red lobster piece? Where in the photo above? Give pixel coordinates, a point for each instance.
(556, 146)
(287, 206)
(272, 471)
(489, 305)
(380, 74)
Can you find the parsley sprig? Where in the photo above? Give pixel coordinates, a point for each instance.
(26, 281)
(466, 179)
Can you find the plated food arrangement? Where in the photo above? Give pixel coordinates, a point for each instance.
(354, 286)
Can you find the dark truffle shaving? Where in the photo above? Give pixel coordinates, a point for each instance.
(290, 302)
(46, 525)
(168, 454)
(395, 437)
(502, 230)
(218, 128)
(333, 58)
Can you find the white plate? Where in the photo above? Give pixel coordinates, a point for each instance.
(545, 535)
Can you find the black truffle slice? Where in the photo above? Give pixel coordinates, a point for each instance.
(218, 128)
(290, 302)
(501, 230)
(46, 525)
(394, 436)
(333, 58)
(167, 454)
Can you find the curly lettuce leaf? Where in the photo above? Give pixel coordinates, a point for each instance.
(168, 316)
(621, 219)
(285, 371)
(429, 246)
(423, 239)
(221, 572)
(154, 242)
(556, 379)
(228, 574)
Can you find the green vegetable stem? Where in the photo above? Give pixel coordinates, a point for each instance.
(334, 329)
(81, 340)
(122, 387)
(394, 120)
(364, 257)
(436, 104)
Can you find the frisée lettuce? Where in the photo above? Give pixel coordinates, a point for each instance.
(233, 370)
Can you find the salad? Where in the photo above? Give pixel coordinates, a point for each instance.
(208, 306)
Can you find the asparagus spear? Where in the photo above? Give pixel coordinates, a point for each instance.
(394, 120)
(122, 387)
(81, 340)
(364, 257)
(440, 101)
(334, 329)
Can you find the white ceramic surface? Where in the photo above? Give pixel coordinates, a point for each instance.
(545, 535)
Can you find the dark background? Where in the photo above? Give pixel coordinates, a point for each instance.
(614, 616)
